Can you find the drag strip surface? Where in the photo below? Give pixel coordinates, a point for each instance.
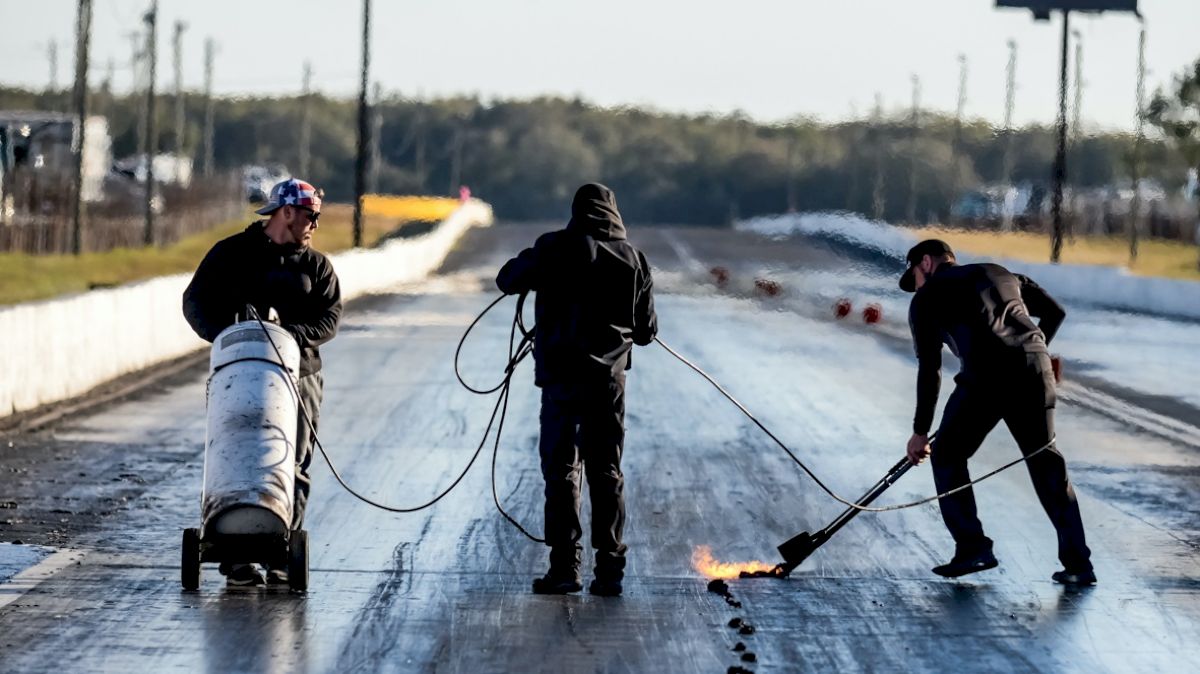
(447, 589)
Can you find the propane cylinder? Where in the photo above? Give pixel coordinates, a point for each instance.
(250, 449)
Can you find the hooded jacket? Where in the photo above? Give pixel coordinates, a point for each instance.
(595, 295)
(250, 268)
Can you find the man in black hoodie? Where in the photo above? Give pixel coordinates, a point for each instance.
(594, 302)
(271, 265)
(983, 312)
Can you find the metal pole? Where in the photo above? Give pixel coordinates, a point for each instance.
(305, 119)
(376, 135)
(1009, 104)
(52, 57)
(208, 108)
(962, 100)
(1077, 109)
(1060, 156)
(180, 115)
(83, 36)
(360, 161)
(151, 143)
(1135, 206)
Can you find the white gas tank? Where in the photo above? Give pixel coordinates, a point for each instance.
(250, 450)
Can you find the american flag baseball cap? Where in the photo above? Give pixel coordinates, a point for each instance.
(291, 192)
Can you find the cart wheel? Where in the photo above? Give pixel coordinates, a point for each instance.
(189, 569)
(298, 561)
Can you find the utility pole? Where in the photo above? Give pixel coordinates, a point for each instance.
(180, 115)
(912, 158)
(1076, 125)
(207, 165)
(52, 57)
(83, 37)
(151, 142)
(1135, 205)
(305, 119)
(877, 196)
(1060, 155)
(1009, 103)
(376, 135)
(360, 160)
(962, 101)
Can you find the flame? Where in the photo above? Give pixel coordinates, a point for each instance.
(703, 562)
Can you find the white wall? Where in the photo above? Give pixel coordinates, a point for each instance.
(60, 348)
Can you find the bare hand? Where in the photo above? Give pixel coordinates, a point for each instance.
(918, 449)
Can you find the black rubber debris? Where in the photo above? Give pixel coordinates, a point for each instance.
(718, 586)
(738, 669)
(739, 646)
(749, 657)
(777, 572)
(735, 622)
(746, 628)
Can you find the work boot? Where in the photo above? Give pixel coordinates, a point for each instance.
(277, 577)
(961, 565)
(1077, 578)
(605, 587)
(557, 583)
(242, 575)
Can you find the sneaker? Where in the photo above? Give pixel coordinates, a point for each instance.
(277, 577)
(244, 575)
(555, 584)
(605, 588)
(963, 565)
(1065, 577)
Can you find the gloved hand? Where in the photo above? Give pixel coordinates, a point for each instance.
(1056, 365)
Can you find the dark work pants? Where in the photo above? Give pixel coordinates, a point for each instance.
(583, 428)
(311, 390)
(1025, 399)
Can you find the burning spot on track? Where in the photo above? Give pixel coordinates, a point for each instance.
(704, 563)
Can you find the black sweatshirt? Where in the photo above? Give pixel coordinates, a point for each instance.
(250, 268)
(983, 313)
(595, 296)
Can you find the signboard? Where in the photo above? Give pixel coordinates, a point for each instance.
(1045, 6)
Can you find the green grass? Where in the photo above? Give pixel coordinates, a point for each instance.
(25, 278)
(1171, 259)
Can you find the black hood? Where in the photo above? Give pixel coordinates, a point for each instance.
(594, 212)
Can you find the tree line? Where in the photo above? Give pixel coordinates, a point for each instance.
(526, 157)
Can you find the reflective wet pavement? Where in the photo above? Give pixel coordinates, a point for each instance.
(447, 589)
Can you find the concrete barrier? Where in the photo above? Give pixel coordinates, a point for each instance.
(57, 349)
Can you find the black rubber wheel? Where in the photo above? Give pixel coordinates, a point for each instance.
(298, 561)
(189, 568)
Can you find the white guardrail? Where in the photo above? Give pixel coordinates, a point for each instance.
(57, 349)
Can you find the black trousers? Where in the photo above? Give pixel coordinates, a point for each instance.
(1024, 398)
(583, 429)
(311, 391)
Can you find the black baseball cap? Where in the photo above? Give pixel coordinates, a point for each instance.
(934, 247)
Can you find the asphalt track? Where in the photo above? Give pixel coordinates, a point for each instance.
(448, 589)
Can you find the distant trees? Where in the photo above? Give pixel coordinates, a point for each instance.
(526, 157)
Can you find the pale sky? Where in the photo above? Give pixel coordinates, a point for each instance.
(772, 59)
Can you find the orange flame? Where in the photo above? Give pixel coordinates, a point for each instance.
(703, 562)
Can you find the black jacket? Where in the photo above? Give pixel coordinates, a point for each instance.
(983, 313)
(250, 268)
(595, 296)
